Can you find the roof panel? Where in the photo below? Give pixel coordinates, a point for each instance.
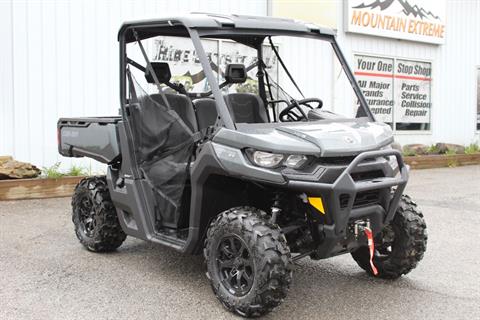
(227, 22)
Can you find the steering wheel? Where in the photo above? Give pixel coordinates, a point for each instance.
(290, 114)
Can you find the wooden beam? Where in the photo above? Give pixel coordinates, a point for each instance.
(440, 161)
(17, 189)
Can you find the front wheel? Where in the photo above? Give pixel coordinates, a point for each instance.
(400, 245)
(248, 262)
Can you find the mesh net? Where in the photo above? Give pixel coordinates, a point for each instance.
(163, 146)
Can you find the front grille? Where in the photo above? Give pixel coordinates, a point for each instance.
(366, 198)
(344, 161)
(367, 175)
(336, 160)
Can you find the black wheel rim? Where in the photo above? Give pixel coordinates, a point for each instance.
(384, 245)
(235, 265)
(87, 217)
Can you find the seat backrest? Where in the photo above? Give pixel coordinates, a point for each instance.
(206, 112)
(243, 107)
(182, 105)
(246, 108)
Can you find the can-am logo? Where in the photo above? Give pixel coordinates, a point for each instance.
(348, 140)
(417, 20)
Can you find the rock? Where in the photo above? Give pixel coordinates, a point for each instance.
(12, 169)
(417, 149)
(5, 158)
(445, 147)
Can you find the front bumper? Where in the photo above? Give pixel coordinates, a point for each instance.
(339, 198)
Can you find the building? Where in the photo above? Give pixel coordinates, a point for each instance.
(417, 60)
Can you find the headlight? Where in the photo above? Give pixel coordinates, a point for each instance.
(274, 160)
(267, 159)
(295, 161)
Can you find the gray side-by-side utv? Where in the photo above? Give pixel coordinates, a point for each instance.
(253, 180)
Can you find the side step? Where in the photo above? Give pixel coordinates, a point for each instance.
(172, 238)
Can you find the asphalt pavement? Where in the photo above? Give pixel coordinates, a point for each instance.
(46, 274)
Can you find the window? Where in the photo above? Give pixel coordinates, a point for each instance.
(398, 91)
(375, 78)
(181, 57)
(316, 77)
(234, 52)
(183, 61)
(185, 65)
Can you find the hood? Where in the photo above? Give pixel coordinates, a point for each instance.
(326, 139)
(342, 138)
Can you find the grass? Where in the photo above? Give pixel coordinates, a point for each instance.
(54, 171)
(76, 171)
(451, 162)
(407, 152)
(432, 149)
(472, 148)
(450, 152)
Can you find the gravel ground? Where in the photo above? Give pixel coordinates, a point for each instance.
(46, 274)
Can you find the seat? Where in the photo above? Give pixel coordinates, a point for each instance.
(179, 103)
(206, 112)
(182, 105)
(246, 108)
(243, 107)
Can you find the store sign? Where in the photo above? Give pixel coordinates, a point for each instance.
(416, 20)
(397, 90)
(375, 78)
(412, 91)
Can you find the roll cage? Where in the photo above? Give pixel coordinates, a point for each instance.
(248, 30)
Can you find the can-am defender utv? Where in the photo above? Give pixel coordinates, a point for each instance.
(220, 159)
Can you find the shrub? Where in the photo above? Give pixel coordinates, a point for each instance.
(450, 152)
(407, 152)
(472, 148)
(433, 149)
(76, 171)
(54, 171)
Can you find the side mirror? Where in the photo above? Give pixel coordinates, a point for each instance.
(235, 73)
(162, 70)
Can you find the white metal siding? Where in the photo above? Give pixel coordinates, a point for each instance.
(59, 58)
(6, 85)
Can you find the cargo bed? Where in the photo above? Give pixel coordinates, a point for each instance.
(94, 137)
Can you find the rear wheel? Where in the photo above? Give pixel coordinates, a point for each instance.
(94, 216)
(400, 245)
(248, 262)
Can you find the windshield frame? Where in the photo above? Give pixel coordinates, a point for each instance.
(251, 37)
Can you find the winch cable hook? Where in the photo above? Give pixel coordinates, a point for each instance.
(371, 247)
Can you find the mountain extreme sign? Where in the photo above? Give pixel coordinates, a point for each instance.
(416, 20)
